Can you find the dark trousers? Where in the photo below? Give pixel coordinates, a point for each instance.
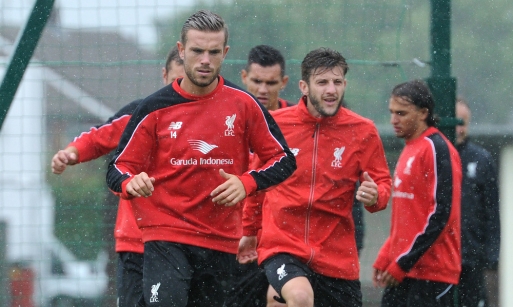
(129, 278)
(471, 287)
(419, 293)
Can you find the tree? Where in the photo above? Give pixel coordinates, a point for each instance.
(379, 39)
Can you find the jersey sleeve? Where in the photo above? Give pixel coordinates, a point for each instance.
(443, 183)
(268, 142)
(102, 139)
(383, 259)
(137, 141)
(252, 210)
(375, 164)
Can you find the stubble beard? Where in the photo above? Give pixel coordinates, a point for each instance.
(317, 106)
(197, 81)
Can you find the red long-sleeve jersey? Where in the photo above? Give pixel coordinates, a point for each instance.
(424, 241)
(182, 141)
(310, 214)
(282, 103)
(99, 141)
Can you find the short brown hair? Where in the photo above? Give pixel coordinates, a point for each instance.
(323, 58)
(206, 21)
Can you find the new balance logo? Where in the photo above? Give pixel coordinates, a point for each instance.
(155, 293)
(175, 126)
(202, 146)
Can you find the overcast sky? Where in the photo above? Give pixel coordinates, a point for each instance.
(134, 18)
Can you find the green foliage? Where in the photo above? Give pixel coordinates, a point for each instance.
(372, 35)
(365, 33)
(483, 57)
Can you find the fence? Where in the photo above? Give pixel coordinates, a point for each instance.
(93, 58)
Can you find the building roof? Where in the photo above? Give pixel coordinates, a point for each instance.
(107, 66)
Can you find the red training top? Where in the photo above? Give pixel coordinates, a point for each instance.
(99, 141)
(310, 214)
(183, 141)
(424, 241)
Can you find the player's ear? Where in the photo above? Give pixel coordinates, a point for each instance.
(424, 113)
(164, 74)
(303, 87)
(284, 80)
(181, 49)
(226, 48)
(243, 76)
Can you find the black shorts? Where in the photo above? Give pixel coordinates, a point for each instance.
(249, 287)
(184, 275)
(328, 291)
(471, 289)
(129, 278)
(419, 293)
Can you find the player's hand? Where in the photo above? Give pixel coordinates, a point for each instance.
(367, 191)
(247, 250)
(230, 192)
(62, 159)
(388, 280)
(140, 185)
(377, 278)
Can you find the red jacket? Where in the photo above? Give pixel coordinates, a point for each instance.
(424, 241)
(99, 141)
(282, 103)
(183, 141)
(310, 214)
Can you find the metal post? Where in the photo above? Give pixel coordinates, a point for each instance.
(4, 276)
(442, 85)
(26, 43)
